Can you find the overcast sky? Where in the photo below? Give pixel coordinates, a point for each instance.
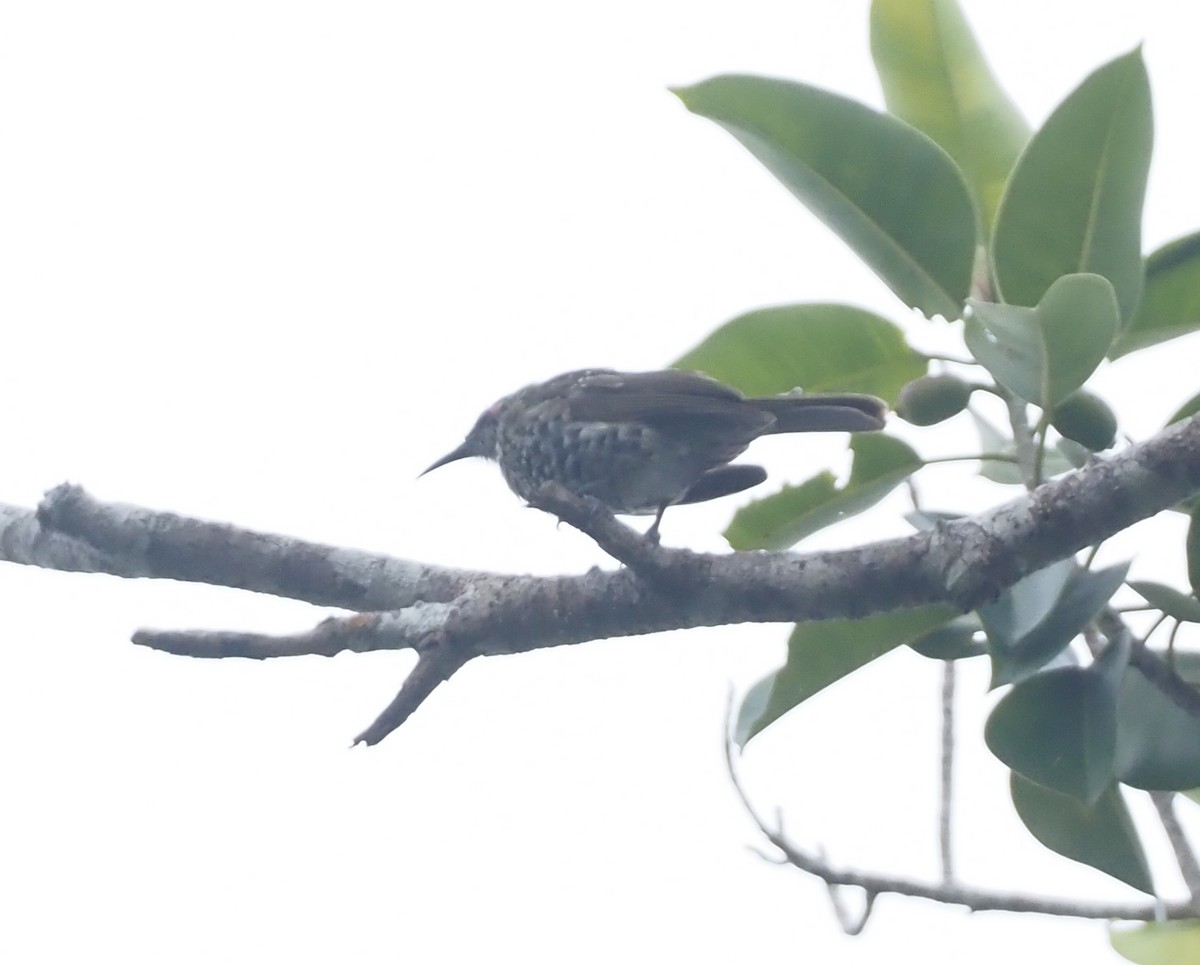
(263, 262)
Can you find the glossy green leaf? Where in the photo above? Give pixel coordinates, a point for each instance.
(1044, 354)
(1083, 597)
(994, 443)
(1101, 835)
(823, 652)
(893, 196)
(760, 523)
(819, 348)
(955, 641)
(935, 78)
(1193, 549)
(1077, 456)
(1026, 603)
(1157, 942)
(1074, 201)
(1158, 743)
(1180, 606)
(783, 519)
(1185, 663)
(1059, 728)
(1189, 408)
(1170, 304)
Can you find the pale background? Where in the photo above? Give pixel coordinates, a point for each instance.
(263, 262)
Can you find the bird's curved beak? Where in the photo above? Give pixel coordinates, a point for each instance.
(465, 451)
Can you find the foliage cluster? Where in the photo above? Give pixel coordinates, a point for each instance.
(1029, 242)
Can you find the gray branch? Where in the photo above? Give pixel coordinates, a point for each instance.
(944, 892)
(72, 531)
(946, 797)
(1189, 867)
(406, 604)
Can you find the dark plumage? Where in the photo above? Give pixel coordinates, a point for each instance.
(642, 441)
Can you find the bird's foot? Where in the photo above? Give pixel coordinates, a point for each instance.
(652, 535)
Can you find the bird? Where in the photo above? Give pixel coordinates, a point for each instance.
(641, 442)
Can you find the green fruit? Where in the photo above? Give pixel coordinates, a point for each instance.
(932, 399)
(1086, 419)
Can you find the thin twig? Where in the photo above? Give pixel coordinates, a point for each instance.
(852, 924)
(433, 667)
(946, 805)
(1189, 867)
(1023, 441)
(976, 899)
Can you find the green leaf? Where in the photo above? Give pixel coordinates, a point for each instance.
(993, 442)
(1189, 408)
(1158, 743)
(1026, 603)
(821, 653)
(935, 78)
(785, 518)
(819, 348)
(1170, 304)
(1185, 663)
(1074, 201)
(1101, 835)
(1193, 549)
(1059, 728)
(893, 196)
(1179, 606)
(1014, 657)
(759, 524)
(1076, 456)
(1157, 942)
(954, 641)
(1044, 354)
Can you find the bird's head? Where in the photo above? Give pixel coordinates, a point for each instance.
(480, 441)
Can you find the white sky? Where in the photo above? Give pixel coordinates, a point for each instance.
(263, 262)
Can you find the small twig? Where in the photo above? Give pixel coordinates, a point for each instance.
(946, 805)
(1189, 867)
(957, 360)
(433, 667)
(1007, 457)
(359, 633)
(1027, 455)
(1039, 463)
(1182, 694)
(1171, 644)
(1156, 670)
(947, 893)
(1158, 621)
(851, 924)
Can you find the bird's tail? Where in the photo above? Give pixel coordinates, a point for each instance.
(824, 413)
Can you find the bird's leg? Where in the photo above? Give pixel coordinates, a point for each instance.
(652, 532)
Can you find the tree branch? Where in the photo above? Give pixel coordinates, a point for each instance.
(946, 802)
(1189, 867)
(945, 892)
(965, 562)
(73, 531)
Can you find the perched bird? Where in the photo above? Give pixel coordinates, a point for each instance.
(642, 441)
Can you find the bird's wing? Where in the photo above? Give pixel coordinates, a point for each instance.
(680, 403)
